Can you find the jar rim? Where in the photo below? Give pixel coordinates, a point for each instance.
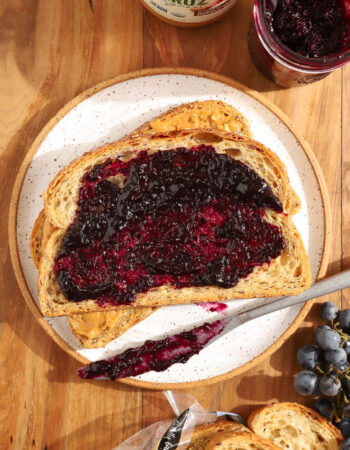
(288, 56)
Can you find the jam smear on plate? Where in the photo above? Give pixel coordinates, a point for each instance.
(182, 217)
(154, 355)
(312, 28)
(213, 306)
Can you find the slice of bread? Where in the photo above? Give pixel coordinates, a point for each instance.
(294, 426)
(288, 274)
(203, 433)
(212, 114)
(62, 194)
(239, 441)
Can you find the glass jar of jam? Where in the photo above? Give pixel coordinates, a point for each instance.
(188, 13)
(295, 42)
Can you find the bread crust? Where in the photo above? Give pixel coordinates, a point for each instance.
(203, 433)
(331, 435)
(243, 440)
(36, 236)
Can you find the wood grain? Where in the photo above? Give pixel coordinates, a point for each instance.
(49, 52)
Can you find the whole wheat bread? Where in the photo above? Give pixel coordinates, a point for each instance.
(239, 441)
(295, 427)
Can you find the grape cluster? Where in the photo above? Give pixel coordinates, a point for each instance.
(327, 370)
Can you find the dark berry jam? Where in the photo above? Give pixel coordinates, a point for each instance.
(184, 217)
(312, 28)
(213, 306)
(155, 355)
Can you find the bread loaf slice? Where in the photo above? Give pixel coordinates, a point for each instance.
(203, 433)
(240, 441)
(294, 426)
(287, 274)
(211, 114)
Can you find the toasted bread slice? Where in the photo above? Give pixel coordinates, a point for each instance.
(212, 114)
(294, 426)
(239, 441)
(203, 433)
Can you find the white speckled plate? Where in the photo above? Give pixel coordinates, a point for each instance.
(110, 111)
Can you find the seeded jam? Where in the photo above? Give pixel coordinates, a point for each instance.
(154, 355)
(312, 28)
(182, 217)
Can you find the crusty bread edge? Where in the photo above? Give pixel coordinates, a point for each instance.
(299, 409)
(244, 435)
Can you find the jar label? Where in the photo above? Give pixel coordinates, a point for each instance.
(190, 11)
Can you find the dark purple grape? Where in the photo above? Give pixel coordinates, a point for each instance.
(346, 409)
(345, 445)
(346, 347)
(345, 382)
(327, 339)
(344, 318)
(329, 385)
(344, 426)
(328, 311)
(325, 407)
(306, 382)
(337, 357)
(309, 356)
(319, 328)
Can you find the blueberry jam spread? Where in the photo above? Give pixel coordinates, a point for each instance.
(155, 355)
(183, 217)
(313, 28)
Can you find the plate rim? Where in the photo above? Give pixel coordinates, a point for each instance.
(12, 223)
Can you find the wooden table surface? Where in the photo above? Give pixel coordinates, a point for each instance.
(50, 51)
